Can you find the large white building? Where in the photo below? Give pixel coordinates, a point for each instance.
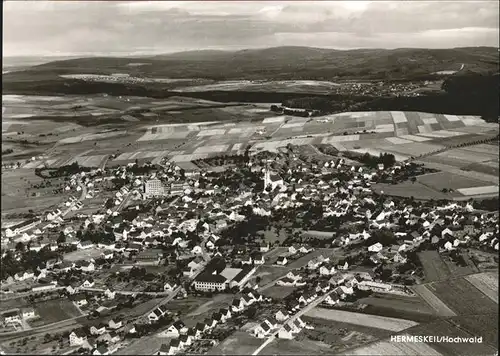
(153, 188)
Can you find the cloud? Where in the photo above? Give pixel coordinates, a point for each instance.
(167, 26)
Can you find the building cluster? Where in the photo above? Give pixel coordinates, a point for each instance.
(209, 228)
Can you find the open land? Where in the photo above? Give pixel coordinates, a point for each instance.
(375, 321)
(487, 283)
(434, 302)
(434, 267)
(239, 343)
(52, 311)
(341, 335)
(462, 297)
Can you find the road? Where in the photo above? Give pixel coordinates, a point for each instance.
(125, 292)
(124, 202)
(131, 347)
(103, 162)
(297, 315)
(59, 326)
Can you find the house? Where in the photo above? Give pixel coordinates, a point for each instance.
(197, 250)
(77, 338)
(81, 302)
(156, 314)
(237, 305)
(399, 258)
(28, 313)
(12, 317)
(202, 327)
(210, 322)
(176, 329)
(375, 286)
(282, 261)
(285, 282)
(282, 315)
(375, 247)
(337, 280)
(293, 250)
(195, 334)
(258, 258)
(316, 262)
(107, 254)
(262, 330)
(332, 299)
(94, 330)
(89, 283)
(185, 340)
(226, 313)
(343, 265)
(114, 325)
(286, 332)
(169, 287)
(327, 270)
(87, 266)
(84, 245)
(264, 247)
(307, 297)
(196, 263)
(256, 297)
(110, 293)
(70, 290)
(22, 276)
(305, 249)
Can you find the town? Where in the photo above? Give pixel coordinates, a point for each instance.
(271, 234)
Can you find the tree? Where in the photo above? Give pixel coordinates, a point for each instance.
(62, 238)
(20, 247)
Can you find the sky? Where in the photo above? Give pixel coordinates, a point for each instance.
(64, 28)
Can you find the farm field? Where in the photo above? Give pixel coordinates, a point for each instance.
(384, 348)
(301, 346)
(239, 343)
(52, 311)
(408, 190)
(440, 180)
(86, 254)
(278, 292)
(269, 273)
(462, 297)
(375, 321)
(487, 283)
(434, 302)
(399, 304)
(434, 267)
(143, 346)
(481, 325)
(340, 335)
(456, 270)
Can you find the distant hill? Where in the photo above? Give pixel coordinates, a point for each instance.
(288, 63)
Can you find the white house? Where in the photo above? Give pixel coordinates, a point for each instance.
(282, 261)
(77, 338)
(376, 247)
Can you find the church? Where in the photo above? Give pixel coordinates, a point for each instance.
(273, 180)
